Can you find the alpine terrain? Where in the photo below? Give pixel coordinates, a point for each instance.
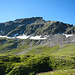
(33, 46)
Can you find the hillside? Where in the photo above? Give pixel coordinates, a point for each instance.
(31, 57)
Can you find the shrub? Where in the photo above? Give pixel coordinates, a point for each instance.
(26, 57)
(9, 67)
(2, 68)
(4, 58)
(39, 64)
(15, 59)
(20, 70)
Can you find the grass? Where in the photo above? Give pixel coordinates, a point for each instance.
(43, 50)
(13, 46)
(59, 72)
(68, 50)
(30, 64)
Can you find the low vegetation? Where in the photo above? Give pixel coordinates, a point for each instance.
(43, 60)
(59, 72)
(30, 64)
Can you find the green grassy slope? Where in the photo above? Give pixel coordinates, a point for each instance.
(59, 72)
(43, 60)
(43, 50)
(66, 54)
(68, 50)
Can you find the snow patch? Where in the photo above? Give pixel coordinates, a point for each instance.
(26, 37)
(3, 36)
(22, 37)
(30, 37)
(37, 38)
(6, 36)
(68, 35)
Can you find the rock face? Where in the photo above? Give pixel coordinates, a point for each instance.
(35, 26)
(70, 30)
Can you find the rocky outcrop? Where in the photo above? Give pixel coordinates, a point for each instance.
(70, 30)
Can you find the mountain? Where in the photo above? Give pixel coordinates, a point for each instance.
(34, 31)
(35, 26)
(33, 46)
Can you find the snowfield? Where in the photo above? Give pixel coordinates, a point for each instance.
(68, 35)
(3, 36)
(22, 37)
(37, 37)
(25, 37)
(32, 37)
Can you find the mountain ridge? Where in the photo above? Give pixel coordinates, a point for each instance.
(35, 26)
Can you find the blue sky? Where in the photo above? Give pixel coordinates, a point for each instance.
(53, 10)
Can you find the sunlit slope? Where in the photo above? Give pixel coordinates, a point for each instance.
(68, 50)
(43, 50)
(59, 72)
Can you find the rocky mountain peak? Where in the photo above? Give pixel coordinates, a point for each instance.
(35, 26)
